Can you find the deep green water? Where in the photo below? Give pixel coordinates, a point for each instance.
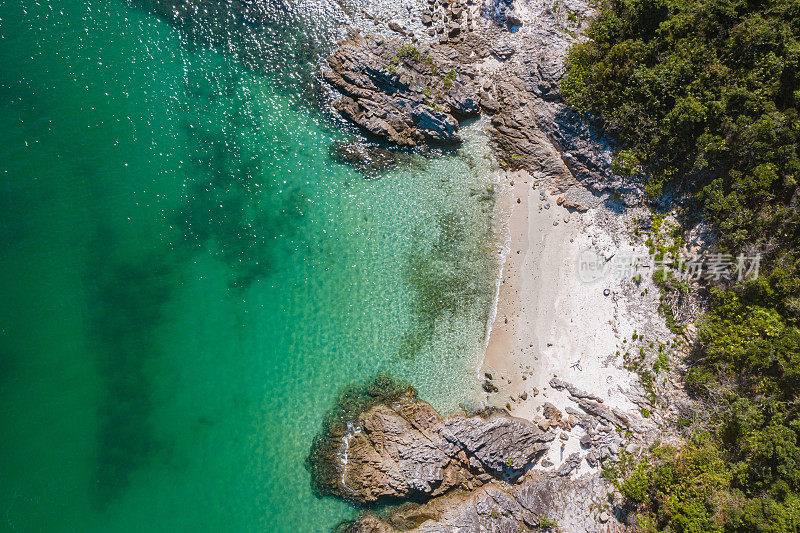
(187, 279)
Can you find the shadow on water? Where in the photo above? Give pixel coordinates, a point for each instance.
(452, 278)
(126, 299)
(236, 205)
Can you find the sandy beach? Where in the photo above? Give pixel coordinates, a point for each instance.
(550, 322)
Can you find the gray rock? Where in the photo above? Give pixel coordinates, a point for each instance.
(503, 444)
(588, 422)
(489, 104)
(610, 415)
(573, 390)
(502, 50)
(591, 459)
(513, 19)
(494, 507)
(569, 465)
(408, 102)
(399, 447)
(551, 411)
(605, 453)
(395, 27)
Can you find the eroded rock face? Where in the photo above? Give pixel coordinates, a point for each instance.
(404, 93)
(396, 446)
(534, 505)
(503, 445)
(512, 74)
(518, 139)
(457, 473)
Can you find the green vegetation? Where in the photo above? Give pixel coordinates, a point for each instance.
(647, 361)
(410, 52)
(449, 78)
(546, 524)
(685, 490)
(704, 98)
(704, 95)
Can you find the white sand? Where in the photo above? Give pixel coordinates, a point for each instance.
(548, 321)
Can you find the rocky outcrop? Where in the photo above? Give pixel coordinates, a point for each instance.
(395, 446)
(382, 444)
(401, 92)
(541, 503)
(404, 91)
(573, 390)
(495, 442)
(610, 415)
(517, 137)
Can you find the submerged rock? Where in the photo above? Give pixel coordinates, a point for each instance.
(368, 159)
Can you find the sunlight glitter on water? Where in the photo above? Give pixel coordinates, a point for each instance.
(189, 279)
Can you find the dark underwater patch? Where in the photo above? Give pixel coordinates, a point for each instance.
(451, 278)
(126, 301)
(237, 207)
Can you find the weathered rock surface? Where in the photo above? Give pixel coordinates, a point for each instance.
(503, 445)
(610, 415)
(573, 390)
(397, 446)
(457, 473)
(404, 93)
(395, 90)
(517, 136)
(534, 505)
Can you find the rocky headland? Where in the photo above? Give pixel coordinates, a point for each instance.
(413, 83)
(383, 445)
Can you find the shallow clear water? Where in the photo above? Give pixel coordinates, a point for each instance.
(187, 279)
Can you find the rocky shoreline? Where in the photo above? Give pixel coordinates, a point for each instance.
(414, 88)
(398, 447)
(382, 444)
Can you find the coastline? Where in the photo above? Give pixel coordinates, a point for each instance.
(548, 322)
(557, 349)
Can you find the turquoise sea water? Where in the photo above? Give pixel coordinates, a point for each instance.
(187, 279)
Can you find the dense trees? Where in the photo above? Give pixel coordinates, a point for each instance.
(704, 96)
(706, 93)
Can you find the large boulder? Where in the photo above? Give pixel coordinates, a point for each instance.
(383, 443)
